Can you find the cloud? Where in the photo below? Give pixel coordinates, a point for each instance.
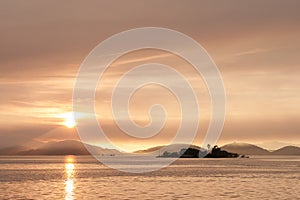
(255, 45)
(252, 52)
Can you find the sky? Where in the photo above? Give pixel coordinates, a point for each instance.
(255, 45)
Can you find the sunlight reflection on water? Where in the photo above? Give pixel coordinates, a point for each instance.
(82, 177)
(69, 183)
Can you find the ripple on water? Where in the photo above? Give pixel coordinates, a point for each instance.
(198, 179)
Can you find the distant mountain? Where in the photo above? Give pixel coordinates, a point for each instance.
(157, 150)
(73, 147)
(288, 150)
(240, 148)
(152, 149)
(245, 149)
(66, 147)
(12, 150)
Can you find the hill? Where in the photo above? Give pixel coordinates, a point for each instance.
(288, 150)
(245, 149)
(170, 148)
(12, 150)
(239, 148)
(73, 147)
(66, 147)
(152, 149)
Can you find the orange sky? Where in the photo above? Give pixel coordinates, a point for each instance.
(255, 44)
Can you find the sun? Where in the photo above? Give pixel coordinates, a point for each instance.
(70, 123)
(69, 120)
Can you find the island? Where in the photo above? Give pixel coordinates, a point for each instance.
(192, 152)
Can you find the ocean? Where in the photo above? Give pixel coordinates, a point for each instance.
(82, 177)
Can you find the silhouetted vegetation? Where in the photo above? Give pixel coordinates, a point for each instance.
(215, 152)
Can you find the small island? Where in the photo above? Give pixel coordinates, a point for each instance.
(193, 152)
(216, 152)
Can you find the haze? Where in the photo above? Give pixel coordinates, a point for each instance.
(255, 45)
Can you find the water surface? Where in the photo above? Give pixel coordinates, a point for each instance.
(82, 177)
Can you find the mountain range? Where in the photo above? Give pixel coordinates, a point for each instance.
(240, 148)
(66, 147)
(250, 149)
(170, 148)
(74, 147)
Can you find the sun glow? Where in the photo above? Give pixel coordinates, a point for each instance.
(69, 119)
(69, 183)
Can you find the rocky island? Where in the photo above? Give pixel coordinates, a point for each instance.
(193, 152)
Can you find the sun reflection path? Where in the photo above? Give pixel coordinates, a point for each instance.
(69, 183)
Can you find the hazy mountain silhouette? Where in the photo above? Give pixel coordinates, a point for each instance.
(152, 149)
(157, 150)
(239, 148)
(288, 150)
(73, 147)
(12, 150)
(66, 147)
(245, 149)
